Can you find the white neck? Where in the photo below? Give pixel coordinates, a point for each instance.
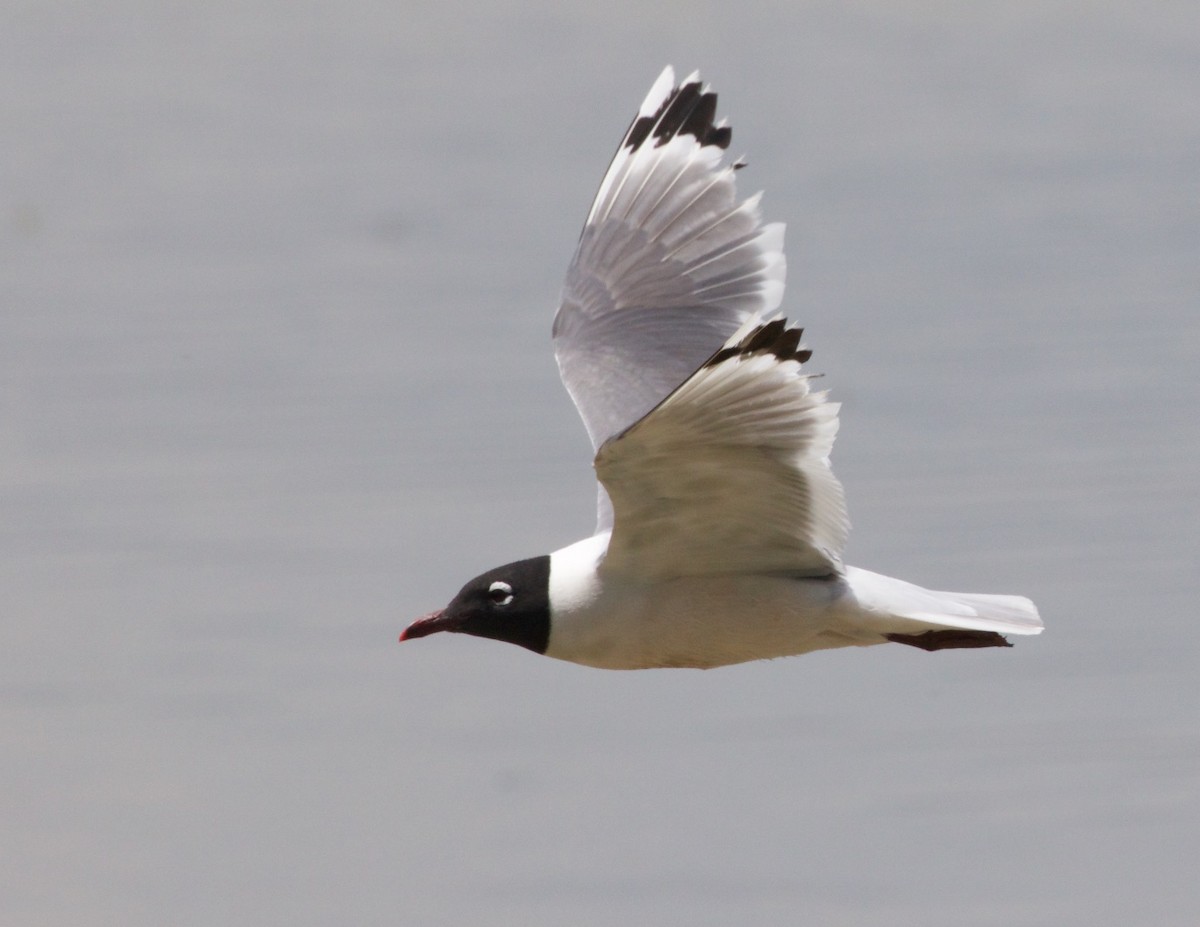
(574, 579)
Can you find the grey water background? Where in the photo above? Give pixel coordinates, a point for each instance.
(276, 283)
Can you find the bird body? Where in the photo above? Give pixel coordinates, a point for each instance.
(609, 621)
(720, 523)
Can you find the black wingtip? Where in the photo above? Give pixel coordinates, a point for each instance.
(689, 109)
(773, 338)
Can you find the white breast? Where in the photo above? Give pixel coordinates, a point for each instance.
(701, 622)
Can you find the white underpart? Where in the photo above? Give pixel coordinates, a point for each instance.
(609, 621)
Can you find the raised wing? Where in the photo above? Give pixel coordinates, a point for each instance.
(669, 265)
(730, 473)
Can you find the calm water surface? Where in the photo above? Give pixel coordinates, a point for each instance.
(275, 377)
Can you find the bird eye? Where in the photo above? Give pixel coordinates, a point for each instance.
(500, 593)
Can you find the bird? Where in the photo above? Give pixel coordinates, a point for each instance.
(720, 523)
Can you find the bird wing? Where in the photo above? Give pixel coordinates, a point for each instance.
(730, 473)
(670, 263)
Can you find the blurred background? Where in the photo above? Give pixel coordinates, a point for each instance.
(276, 282)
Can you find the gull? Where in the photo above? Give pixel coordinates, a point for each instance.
(721, 526)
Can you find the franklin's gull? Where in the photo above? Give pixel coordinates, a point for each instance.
(721, 525)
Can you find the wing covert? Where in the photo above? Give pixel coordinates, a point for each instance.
(730, 473)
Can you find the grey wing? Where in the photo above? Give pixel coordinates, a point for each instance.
(730, 473)
(669, 265)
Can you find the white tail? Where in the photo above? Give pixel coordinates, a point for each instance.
(886, 597)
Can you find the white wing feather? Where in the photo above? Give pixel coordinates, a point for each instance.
(730, 473)
(670, 263)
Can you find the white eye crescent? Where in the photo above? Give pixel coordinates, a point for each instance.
(500, 593)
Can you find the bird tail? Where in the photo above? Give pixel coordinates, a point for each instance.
(908, 614)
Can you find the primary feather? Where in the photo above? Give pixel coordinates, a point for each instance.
(669, 265)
